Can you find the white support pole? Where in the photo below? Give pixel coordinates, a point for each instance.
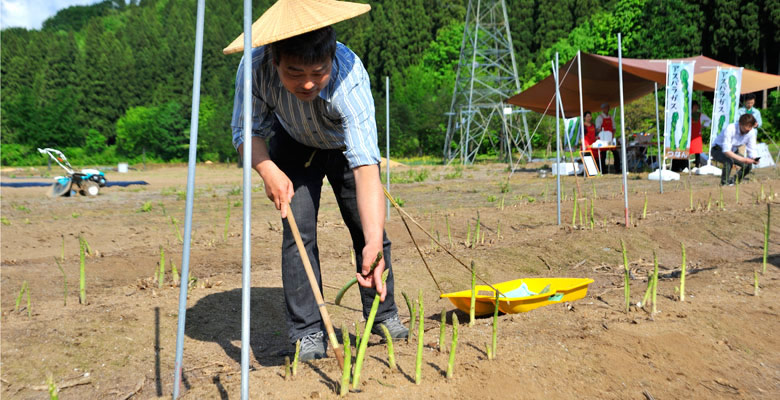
(185, 252)
(658, 141)
(582, 116)
(246, 283)
(387, 137)
(557, 141)
(622, 130)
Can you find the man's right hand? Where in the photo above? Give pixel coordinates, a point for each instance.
(278, 187)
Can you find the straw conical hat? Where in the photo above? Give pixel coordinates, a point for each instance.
(288, 18)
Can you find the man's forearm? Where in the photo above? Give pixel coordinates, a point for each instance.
(260, 156)
(370, 204)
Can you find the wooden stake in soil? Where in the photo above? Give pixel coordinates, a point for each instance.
(655, 281)
(287, 369)
(766, 236)
(473, 303)
(755, 283)
(64, 283)
(682, 274)
(627, 280)
(347, 368)
(420, 334)
(161, 274)
(82, 273)
(453, 347)
(495, 329)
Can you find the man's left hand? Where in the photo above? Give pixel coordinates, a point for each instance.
(375, 279)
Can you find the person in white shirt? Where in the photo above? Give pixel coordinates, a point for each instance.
(724, 148)
(749, 102)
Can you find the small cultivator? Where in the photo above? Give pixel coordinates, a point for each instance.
(88, 181)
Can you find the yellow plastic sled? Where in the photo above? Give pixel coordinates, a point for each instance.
(519, 295)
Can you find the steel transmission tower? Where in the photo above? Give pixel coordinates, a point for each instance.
(487, 75)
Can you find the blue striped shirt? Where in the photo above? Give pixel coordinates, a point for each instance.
(341, 117)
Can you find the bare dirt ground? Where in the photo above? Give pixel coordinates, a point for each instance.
(721, 342)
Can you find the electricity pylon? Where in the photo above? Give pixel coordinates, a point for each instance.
(487, 75)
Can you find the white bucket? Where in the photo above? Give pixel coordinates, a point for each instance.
(122, 168)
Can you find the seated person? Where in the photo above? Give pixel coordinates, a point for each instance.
(724, 148)
(749, 102)
(698, 120)
(590, 138)
(604, 123)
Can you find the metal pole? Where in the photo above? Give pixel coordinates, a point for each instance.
(246, 283)
(622, 129)
(465, 151)
(557, 141)
(582, 116)
(185, 253)
(387, 136)
(658, 140)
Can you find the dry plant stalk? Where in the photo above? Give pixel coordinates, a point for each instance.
(682, 274)
(766, 236)
(82, 273)
(472, 305)
(655, 281)
(627, 280)
(64, 283)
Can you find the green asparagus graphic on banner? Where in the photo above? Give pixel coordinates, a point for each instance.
(686, 114)
(679, 88)
(726, 99)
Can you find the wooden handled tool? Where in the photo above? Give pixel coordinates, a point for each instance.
(315, 288)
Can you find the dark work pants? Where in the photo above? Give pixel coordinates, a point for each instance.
(306, 167)
(717, 155)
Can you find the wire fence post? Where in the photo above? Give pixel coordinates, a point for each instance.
(246, 284)
(185, 256)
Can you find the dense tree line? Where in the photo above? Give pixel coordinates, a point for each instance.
(113, 80)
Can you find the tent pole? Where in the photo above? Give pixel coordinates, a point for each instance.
(557, 141)
(387, 136)
(658, 140)
(246, 284)
(582, 117)
(185, 256)
(622, 129)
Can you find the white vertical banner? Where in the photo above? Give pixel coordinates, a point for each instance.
(572, 131)
(679, 96)
(726, 101)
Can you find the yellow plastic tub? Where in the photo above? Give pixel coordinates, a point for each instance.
(559, 290)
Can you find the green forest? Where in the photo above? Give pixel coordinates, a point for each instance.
(113, 81)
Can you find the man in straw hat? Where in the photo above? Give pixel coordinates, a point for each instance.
(312, 103)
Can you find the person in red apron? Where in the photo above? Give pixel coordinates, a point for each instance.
(698, 120)
(604, 123)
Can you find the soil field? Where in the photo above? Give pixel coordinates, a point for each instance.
(720, 343)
